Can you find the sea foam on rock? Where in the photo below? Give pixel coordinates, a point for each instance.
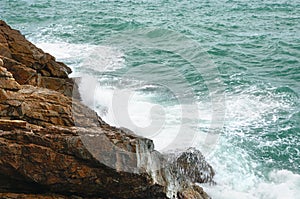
(53, 146)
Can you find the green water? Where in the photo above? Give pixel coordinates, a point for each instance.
(254, 45)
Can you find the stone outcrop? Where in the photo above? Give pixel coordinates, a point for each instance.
(53, 146)
(56, 160)
(31, 65)
(42, 106)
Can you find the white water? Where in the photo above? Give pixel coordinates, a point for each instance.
(237, 175)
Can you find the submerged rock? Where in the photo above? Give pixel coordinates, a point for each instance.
(53, 146)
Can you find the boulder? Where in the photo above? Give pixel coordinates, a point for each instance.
(192, 164)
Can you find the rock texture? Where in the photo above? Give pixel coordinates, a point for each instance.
(53, 146)
(30, 65)
(55, 159)
(194, 192)
(192, 165)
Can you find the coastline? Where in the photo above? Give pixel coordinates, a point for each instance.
(50, 140)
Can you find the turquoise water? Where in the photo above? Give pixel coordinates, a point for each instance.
(252, 46)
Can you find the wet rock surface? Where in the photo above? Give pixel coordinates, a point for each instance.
(192, 164)
(53, 146)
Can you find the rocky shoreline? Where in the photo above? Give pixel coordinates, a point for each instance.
(53, 146)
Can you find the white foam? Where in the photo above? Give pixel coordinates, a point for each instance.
(96, 57)
(250, 107)
(157, 122)
(126, 108)
(133, 110)
(237, 175)
(64, 50)
(281, 184)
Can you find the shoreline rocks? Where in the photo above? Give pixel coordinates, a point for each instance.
(32, 66)
(53, 146)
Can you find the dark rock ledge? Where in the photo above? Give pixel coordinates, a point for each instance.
(53, 146)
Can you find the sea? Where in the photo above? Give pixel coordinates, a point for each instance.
(222, 76)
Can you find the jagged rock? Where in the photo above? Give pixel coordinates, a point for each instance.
(194, 192)
(53, 146)
(192, 164)
(58, 160)
(45, 107)
(30, 65)
(7, 81)
(188, 167)
(14, 45)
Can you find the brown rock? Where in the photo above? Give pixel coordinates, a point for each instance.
(60, 161)
(5, 73)
(194, 192)
(7, 81)
(46, 107)
(14, 45)
(25, 75)
(30, 65)
(189, 194)
(12, 124)
(9, 84)
(21, 73)
(53, 146)
(66, 86)
(70, 159)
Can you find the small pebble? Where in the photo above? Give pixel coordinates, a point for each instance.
(1, 62)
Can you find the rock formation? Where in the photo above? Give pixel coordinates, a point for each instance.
(30, 65)
(192, 165)
(53, 146)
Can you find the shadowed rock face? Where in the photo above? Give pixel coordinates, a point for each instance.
(53, 146)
